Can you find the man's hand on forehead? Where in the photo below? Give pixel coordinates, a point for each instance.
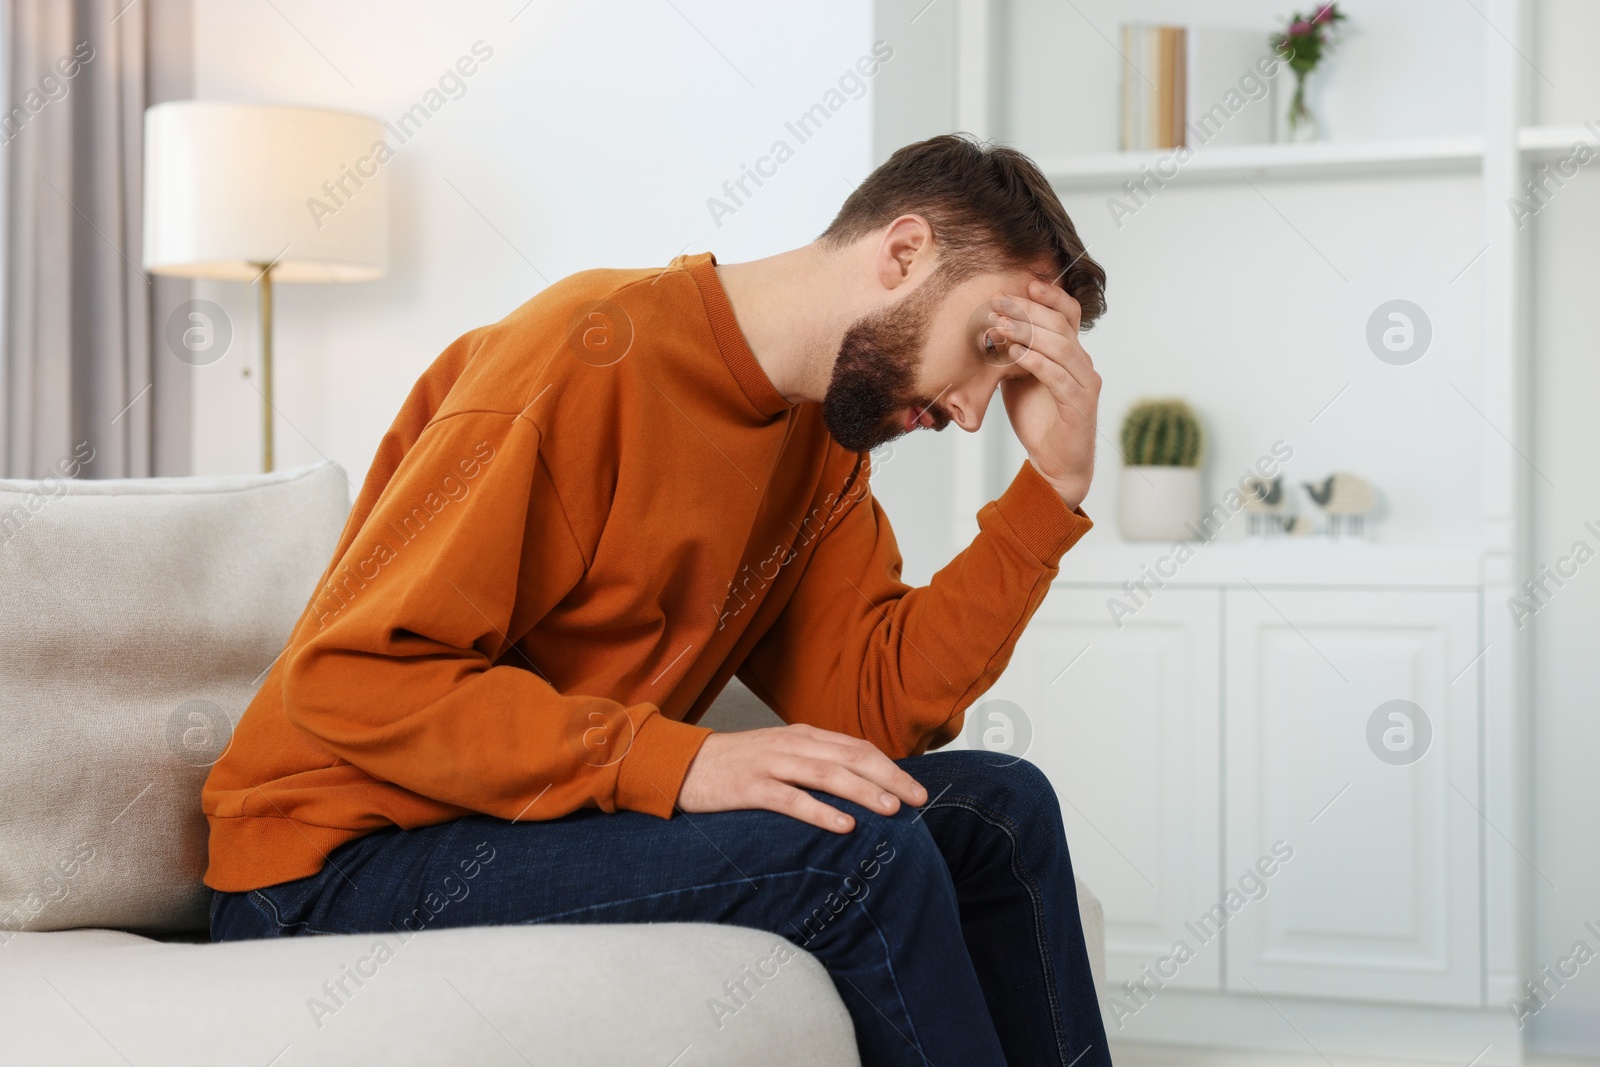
(1040, 303)
(1053, 411)
(1036, 301)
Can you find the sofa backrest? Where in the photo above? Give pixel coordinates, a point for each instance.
(737, 708)
(137, 619)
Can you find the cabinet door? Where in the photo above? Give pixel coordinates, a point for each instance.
(1379, 801)
(1124, 721)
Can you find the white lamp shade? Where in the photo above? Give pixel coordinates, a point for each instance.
(228, 187)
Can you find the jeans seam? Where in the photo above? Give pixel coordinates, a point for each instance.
(883, 942)
(894, 981)
(1035, 897)
(258, 898)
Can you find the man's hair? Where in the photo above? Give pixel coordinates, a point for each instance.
(990, 209)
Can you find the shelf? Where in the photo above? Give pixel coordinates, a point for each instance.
(1281, 562)
(1319, 159)
(1555, 141)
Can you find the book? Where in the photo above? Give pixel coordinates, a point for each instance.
(1194, 85)
(1154, 85)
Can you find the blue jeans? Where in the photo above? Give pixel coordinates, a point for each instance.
(951, 931)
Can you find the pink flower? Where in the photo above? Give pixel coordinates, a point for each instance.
(1324, 14)
(1299, 28)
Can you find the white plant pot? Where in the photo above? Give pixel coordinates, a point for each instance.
(1159, 503)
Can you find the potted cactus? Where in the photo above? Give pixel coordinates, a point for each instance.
(1159, 497)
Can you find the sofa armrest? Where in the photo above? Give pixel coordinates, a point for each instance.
(1094, 932)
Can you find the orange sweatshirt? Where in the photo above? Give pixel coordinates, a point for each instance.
(585, 518)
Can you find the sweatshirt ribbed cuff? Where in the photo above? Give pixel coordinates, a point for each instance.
(653, 770)
(1039, 517)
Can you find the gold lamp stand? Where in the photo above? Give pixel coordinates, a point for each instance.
(264, 284)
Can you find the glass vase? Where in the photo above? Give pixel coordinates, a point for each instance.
(1302, 120)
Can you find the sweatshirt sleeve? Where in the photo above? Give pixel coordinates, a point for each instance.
(858, 651)
(408, 664)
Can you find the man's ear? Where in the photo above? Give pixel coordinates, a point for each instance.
(905, 254)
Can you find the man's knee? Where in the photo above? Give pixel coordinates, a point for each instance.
(878, 839)
(1007, 784)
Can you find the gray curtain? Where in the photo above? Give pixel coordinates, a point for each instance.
(83, 366)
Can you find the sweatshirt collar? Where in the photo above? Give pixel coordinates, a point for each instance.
(736, 353)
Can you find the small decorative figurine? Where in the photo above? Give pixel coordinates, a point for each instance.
(1345, 500)
(1264, 503)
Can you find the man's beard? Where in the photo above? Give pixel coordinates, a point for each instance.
(875, 377)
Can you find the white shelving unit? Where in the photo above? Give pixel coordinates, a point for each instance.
(1231, 162)
(1556, 140)
(1311, 562)
(1184, 709)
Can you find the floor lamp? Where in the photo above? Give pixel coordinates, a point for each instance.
(264, 194)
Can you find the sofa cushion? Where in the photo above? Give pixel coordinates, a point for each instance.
(624, 994)
(139, 616)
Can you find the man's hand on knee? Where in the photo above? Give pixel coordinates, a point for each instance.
(773, 768)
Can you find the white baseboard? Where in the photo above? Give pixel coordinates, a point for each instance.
(1482, 1037)
(1128, 1055)
(1554, 1032)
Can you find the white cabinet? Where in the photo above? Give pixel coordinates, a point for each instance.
(1124, 722)
(1381, 898)
(1231, 723)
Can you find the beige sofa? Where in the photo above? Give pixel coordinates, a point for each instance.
(137, 619)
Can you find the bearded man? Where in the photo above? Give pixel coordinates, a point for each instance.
(589, 516)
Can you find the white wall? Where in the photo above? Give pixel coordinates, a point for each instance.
(1260, 323)
(586, 140)
(1565, 635)
(595, 141)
